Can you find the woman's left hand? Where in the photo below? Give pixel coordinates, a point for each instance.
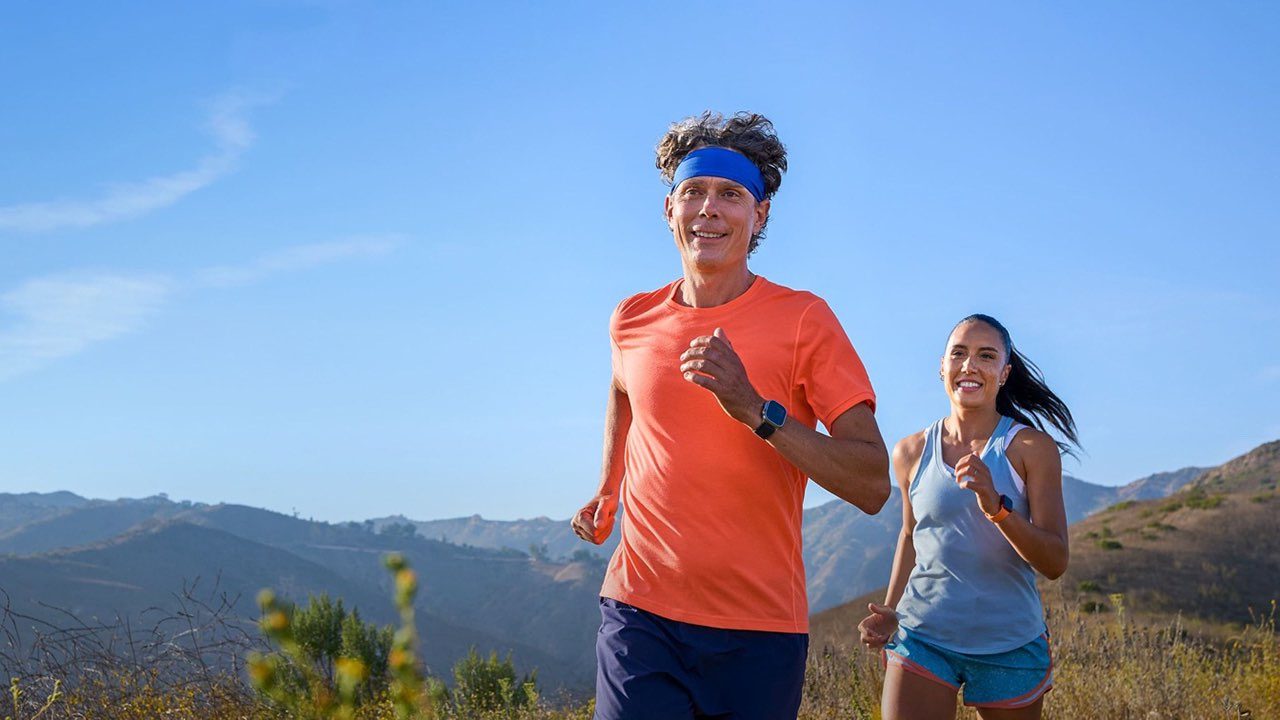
(972, 474)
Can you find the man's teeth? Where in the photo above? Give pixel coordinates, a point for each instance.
(699, 233)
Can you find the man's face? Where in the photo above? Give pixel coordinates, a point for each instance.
(713, 220)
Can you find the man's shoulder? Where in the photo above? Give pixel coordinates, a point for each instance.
(798, 301)
(635, 304)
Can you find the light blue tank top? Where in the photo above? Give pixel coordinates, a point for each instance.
(969, 591)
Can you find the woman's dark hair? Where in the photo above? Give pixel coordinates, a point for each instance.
(1024, 395)
(748, 133)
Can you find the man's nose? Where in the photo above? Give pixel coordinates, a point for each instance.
(709, 206)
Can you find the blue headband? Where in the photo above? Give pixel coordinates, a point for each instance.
(722, 163)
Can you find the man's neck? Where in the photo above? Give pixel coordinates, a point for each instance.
(704, 290)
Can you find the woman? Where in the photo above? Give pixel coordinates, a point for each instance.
(981, 514)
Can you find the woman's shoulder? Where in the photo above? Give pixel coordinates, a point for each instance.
(1033, 444)
(907, 452)
(911, 446)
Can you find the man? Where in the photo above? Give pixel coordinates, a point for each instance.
(719, 380)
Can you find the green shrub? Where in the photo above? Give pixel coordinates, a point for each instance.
(1089, 586)
(490, 686)
(1198, 500)
(308, 689)
(1109, 544)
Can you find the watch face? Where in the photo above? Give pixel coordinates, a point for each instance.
(774, 413)
(1006, 502)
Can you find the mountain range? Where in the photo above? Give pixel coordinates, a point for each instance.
(1205, 555)
(846, 552)
(527, 587)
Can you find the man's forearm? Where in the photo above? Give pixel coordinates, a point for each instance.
(853, 469)
(617, 423)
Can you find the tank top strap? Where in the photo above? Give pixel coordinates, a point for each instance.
(931, 456)
(996, 442)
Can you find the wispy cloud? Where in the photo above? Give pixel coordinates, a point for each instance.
(53, 317)
(58, 316)
(299, 257)
(232, 136)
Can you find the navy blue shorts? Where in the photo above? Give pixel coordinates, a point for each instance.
(652, 668)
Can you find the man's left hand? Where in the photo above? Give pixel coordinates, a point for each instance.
(712, 363)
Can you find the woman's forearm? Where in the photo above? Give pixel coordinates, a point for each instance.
(904, 558)
(1043, 550)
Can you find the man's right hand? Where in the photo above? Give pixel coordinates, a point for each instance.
(878, 627)
(594, 521)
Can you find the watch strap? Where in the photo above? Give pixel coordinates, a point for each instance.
(768, 426)
(1005, 510)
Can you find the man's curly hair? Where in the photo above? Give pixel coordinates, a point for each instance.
(748, 133)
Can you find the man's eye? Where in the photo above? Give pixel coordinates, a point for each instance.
(731, 194)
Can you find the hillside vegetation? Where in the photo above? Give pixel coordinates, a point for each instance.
(1210, 552)
(1111, 669)
(1203, 559)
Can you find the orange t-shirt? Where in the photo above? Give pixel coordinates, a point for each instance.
(711, 533)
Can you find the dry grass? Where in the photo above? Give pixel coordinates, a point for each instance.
(1107, 667)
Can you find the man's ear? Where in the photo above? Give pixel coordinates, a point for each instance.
(762, 215)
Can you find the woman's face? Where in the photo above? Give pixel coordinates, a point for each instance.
(974, 365)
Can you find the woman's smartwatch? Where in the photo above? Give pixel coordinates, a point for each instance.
(1006, 509)
(772, 415)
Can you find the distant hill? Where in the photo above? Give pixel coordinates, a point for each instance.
(544, 612)
(1211, 550)
(1158, 485)
(846, 552)
(480, 584)
(83, 523)
(138, 576)
(1208, 553)
(21, 508)
(520, 535)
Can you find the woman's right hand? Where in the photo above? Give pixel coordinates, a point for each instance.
(878, 627)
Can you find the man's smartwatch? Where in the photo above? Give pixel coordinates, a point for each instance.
(772, 415)
(1006, 509)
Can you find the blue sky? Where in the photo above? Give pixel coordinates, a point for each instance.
(358, 259)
